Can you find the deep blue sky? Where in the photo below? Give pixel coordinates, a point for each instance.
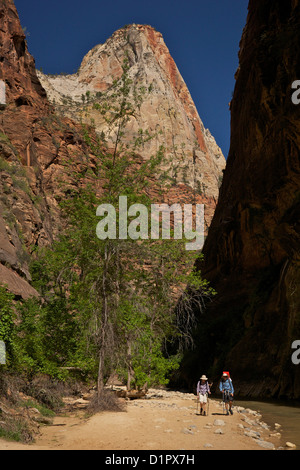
(202, 36)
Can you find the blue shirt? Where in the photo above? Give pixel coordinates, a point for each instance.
(226, 386)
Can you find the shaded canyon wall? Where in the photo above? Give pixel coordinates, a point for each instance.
(252, 250)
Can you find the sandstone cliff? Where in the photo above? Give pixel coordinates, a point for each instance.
(166, 108)
(252, 250)
(36, 141)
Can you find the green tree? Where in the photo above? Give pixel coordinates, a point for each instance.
(112, 302)
(7, 321)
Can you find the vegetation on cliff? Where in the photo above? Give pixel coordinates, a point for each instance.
(105, 306)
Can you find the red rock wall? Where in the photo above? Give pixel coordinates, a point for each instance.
(34, 142)
(252, 251)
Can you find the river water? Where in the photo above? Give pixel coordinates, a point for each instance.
(288, 416)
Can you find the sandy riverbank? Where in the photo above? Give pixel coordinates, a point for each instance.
(163, 421)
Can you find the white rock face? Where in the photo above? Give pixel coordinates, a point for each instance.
(166, 111)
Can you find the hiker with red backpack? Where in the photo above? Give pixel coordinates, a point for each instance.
(227, 390)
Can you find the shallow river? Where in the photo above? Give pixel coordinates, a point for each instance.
(287, 416)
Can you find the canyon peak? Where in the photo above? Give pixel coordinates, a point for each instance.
(36, 140)
(166, 109)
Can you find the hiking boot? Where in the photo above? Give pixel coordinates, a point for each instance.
(201, 411)
(204, 414)
(230, 411)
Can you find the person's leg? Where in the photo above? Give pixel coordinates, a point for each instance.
(200, 402)
(204, 404)
(226, 401)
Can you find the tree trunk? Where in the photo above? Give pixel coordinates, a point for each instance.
(104, 322)
(130, 371)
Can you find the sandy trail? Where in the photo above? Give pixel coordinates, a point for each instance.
(163, 422)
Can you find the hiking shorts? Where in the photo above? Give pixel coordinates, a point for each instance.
(227, 397)
(202, 398)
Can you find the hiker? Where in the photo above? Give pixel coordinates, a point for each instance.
(203, 390)
(227, 390)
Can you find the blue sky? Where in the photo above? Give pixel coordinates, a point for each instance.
(202, 36)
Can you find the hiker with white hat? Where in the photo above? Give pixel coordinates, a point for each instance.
(203, 391)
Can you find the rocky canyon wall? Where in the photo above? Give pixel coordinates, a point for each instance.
(34, 144)
(252, 250)
(37, 139)
(166, 109)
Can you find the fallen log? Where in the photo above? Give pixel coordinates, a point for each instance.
(131, 394)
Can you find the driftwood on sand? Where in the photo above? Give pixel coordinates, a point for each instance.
(132, 394)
